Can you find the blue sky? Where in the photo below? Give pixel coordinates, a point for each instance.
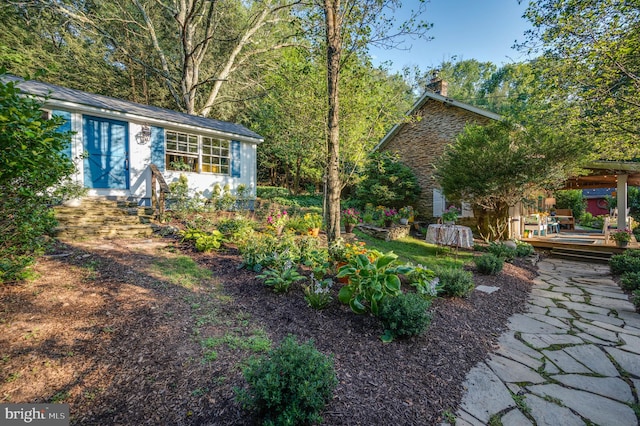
(467, 29)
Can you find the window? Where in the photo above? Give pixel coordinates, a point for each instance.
(215, 156)
(200, 154)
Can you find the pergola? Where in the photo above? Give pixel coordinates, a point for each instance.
(610, 174)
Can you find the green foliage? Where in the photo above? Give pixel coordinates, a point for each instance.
(630, 281)
(405, 315)
(629, 261)
(318, 292)
(204, 241)
(502, 251)
(635, 299)
(455, 282)
(388, 182)
(524, 249)
(489, 264)
(370, 281)
(266, 250)
(236, 229)
(571, 199)
(182, 271)
(496, 165)
(425, 282)
(222, 198)
(181, 201)
(588, 51)
(281, 277)
(32, 161)
(270, 192)
(289, 386)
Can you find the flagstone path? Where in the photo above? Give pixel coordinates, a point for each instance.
(572, 359)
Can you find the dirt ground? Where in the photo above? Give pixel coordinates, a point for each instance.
(104, 330)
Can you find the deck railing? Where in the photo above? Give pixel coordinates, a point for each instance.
(159, 188)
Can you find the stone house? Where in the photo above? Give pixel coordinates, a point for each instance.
(433, 122)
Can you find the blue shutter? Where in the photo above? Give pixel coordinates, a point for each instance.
(66, 127)
(235, 159)
(157, 147)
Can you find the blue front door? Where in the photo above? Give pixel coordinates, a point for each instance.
(107, 162)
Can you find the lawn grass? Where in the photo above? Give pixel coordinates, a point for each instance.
(411, 249)
(182, 271)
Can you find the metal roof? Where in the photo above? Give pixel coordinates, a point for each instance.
(429, 95)
(139, 111)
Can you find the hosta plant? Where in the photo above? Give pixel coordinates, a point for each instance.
(318, 293)
(370, 281)
(281, 278)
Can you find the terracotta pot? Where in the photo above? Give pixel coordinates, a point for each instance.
(348, 227)
(343, 280)
(314, 232)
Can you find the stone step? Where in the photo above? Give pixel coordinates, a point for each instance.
(104, 218)
(124, 231)
(581, 255)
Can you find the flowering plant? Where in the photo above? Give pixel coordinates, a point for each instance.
(313, 220)
(451, 214)
(390, 214)
(406, 212)
(318, 293)
(278, 219)
(351, 216)
(622, 235)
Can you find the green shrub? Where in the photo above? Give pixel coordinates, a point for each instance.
(524, 249)
(502, 251)
(281, 277)
(388, 182)
(635, 298)
(455, 282)
(203, 241)
(405, 315)
(290, 386)
(489, 264)
(32, 162)
(425, 282)
(630, 281)
(629, 261)
(237, 228)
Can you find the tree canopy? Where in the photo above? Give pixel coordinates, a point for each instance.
(493, 167)
(589, 55)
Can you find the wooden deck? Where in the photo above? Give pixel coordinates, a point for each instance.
(580, 245)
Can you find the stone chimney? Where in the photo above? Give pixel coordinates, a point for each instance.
(437, 84)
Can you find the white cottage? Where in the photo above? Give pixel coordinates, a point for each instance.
(116, 141)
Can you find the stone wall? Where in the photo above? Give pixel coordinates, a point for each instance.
(422, 141)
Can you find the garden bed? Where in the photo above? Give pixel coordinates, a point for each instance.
(104, 332)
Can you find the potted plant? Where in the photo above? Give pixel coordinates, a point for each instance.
(314, 223)
(621, 237)
(390, 216)
(405, 213)
(278, 220)
(350, 218)
(450, 215)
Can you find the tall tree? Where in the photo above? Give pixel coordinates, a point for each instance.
(350, 26)
(590, 51)
(194, 46)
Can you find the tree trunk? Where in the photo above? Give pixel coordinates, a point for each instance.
(296, 177)
(492, 223)
(334, 49)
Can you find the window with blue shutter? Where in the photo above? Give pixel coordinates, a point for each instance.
(235, 159)
(157, 147)
(66, 127)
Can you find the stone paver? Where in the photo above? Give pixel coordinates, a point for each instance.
(582, 332)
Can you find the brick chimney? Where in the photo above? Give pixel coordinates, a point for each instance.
(437, 84)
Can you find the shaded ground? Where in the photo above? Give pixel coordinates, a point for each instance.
(105, 331)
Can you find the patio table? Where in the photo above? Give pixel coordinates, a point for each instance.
(450, 235)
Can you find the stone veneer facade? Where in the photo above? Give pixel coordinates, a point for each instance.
(421, 142)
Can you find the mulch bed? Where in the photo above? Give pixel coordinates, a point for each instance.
(122, 346)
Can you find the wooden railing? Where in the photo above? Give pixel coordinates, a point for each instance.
(159, 188)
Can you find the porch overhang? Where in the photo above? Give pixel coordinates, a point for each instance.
(610, 174)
